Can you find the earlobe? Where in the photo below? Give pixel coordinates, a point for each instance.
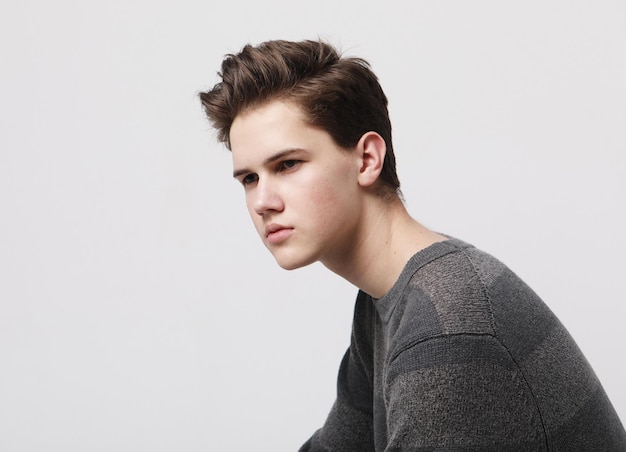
(372, 149)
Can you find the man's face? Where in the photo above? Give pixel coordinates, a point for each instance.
(301, 188)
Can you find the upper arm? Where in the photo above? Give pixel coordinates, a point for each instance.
(460, 390)
(348, 426)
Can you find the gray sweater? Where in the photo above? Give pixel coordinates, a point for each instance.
(461, 355)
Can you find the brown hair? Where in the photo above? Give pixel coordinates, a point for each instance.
(340, 95)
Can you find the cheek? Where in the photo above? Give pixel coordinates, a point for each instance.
(332, 201)
(249, 206)
(257, 220)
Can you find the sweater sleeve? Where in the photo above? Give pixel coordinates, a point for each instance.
(460, 391)
(349, 425)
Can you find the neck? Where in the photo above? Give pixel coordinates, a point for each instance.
(387, 237)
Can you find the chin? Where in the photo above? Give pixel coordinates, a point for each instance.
(292, 262)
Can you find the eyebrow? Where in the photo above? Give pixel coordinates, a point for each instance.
(271, 159)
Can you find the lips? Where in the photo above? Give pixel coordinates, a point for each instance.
(277, 233)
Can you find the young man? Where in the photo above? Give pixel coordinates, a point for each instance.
(449, 350)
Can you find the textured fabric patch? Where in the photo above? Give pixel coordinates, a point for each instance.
(471, 404)
(457, 294)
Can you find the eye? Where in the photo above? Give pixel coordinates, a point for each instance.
(249, 179)
(286, 165)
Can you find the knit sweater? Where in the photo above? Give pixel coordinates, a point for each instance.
(461, 355)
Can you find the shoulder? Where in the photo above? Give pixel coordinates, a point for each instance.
(453, 288)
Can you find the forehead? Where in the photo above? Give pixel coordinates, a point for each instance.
(256, 122)
(272, 127)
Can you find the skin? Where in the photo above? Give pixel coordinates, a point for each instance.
(312, 200)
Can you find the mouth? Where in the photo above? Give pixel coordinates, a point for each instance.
(276, 233)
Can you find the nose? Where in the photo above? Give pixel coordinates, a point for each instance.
(265, 198)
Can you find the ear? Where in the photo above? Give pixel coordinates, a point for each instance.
(371, 149)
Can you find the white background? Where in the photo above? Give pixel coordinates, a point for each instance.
(138, 309)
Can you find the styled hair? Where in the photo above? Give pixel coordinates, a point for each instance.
(337, 94)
